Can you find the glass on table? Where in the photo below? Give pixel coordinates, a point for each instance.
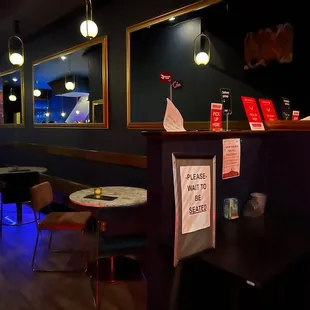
(97, 192)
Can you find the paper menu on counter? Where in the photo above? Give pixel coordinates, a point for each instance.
(173, 121)
(306, 118)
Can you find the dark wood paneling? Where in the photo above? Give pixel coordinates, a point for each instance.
(90, 155)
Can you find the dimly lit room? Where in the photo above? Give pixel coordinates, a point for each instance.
(153, 155)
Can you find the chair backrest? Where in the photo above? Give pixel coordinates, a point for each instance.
(41, 196)
(16, 186)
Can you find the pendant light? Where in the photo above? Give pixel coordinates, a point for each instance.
(37, 91)
(12, 96)
(69, 83)
(47, 113)
(16, 57)
(88, 28)
(202, 56)
(69, 80)
(63, 113)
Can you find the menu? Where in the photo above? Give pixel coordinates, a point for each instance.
(268, 110)
(173, 120)
(252, 113)
(216, 117)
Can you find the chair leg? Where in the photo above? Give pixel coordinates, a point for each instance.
(1, 205)
(50, 241)
(35, 251)
(85, 249)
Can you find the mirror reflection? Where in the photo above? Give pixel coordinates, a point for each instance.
(11, 97)
(70, 87)
(202, 49)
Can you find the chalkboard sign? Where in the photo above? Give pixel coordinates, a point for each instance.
(195, 204)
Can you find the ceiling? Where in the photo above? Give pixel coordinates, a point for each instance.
(56, 68)
(33, 15)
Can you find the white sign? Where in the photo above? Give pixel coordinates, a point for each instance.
(196, 197)
(231, 158)
(173, 120)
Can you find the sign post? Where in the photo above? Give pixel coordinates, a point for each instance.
(227, 104)
(166, 78)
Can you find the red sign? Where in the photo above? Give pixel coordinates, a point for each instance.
(252, 113)
(295, 115)
(216, 117)
(268, 110)
(165, 77)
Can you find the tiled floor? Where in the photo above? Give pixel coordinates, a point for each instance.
(21, 289)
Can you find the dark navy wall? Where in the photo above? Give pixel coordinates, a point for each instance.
(112, 20)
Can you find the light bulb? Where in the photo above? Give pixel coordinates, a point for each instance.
(77, 111)
(91, 27)
(47, 114)
(202, 58)
(12, 98)
(171, 19)
(63, 114)
(63, 58)
(70, 85)
(37, 92)
(16, 59)
(14, 79)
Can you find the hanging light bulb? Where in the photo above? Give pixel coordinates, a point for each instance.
(12, 96)
(77, 112)
(16, 59)
(203, 57)
(47, 114)
(69, 85)
(37, 92)
(63, 114)
(88, 28)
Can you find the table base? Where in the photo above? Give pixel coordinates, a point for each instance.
(17, 217)
(117, 268)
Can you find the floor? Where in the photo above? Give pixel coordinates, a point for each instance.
(21, 289)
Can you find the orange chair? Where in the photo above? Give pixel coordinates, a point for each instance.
(42, 196)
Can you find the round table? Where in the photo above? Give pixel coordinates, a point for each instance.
(116, 268)
(125, 197)
(20, 169)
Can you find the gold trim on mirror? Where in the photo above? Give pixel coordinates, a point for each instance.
(22, 93)
(105, 91)
(158, 125)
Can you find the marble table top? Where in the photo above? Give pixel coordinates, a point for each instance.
(5, 170)
(126, 197)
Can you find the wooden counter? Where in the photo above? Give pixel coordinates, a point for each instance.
(275, 161)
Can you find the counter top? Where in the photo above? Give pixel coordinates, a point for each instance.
(276, 126)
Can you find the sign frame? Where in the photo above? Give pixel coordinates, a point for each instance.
(190, 244)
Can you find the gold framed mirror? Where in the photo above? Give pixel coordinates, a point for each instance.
(68, 84)
(12, 98)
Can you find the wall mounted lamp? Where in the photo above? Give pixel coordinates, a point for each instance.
(88, 28)
(16, 57)
(202, 57)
